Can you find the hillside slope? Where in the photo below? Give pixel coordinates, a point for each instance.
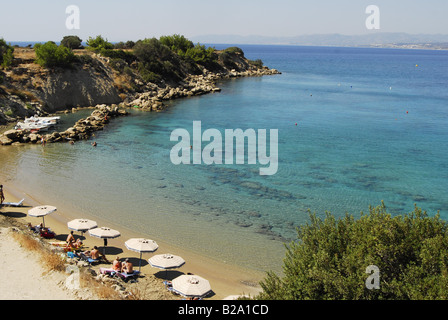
(125, 78)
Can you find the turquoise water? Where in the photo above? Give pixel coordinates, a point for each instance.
(371, 126)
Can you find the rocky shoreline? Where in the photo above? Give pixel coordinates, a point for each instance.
(83, 129)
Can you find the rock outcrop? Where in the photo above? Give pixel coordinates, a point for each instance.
(27, 89)
(194, 85)
(81, 130)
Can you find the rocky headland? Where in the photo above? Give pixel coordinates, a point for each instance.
(108, 84)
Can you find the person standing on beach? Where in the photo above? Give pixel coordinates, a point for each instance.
(2, 195)
(70, 238)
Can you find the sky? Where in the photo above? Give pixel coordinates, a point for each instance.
(43, 20)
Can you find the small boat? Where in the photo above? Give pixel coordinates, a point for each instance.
(32, 126)
(45, 120)
(36, 124)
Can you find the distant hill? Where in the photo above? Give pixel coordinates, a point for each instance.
(374, 40)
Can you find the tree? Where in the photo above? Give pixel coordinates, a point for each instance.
(72, 42)
(99, 43)
(151, 49)
(177, 43)
(200, 54)
(330, 257)
(6, 54)
(50, 55)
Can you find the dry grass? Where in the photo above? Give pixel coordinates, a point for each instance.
(100, 289)
(51, 261)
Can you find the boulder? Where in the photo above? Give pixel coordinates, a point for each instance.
(13, 134)
(5, 140)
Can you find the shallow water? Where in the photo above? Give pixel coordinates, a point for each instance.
(371, 126)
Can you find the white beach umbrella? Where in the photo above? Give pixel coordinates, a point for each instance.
(104, 233)
(191, 286)
(41, 211)
(81, 225)
(166, 261)
(141, 245)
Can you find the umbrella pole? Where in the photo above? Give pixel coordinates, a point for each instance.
(140, 262)
(43, 220)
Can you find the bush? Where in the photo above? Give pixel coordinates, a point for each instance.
(200, 54)
(330, 257)
(50, 55)
(99, 43)
(121, 45)
(233, 50)
(258, 63)
(177, 43)
(6, 54)
(72, 42)
(151, 49)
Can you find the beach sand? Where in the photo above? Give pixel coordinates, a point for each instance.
(225, 279)
(24, 277)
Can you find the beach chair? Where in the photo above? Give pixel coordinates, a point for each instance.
(108, 271)
(13, 204)
(88, 259)
(126, 276)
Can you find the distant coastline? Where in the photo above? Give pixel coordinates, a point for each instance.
(371, 40)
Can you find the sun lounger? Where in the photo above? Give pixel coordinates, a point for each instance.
(126, 276)
(107, 271)
(13, 204)
(59, 243)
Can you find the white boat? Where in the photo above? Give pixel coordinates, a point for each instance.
(36, 123)
(44, 120)
(32, 126)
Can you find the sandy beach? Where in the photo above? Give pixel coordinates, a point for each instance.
(27, 281)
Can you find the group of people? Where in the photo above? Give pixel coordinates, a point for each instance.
(76, 245)
(125, 266)
(42, 231)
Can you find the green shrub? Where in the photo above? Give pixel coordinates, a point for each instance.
(177, 43)
(50, 55)
(99, 43)
(151, 49)
(6, 54)
(330, 258)
(258, 63)
(200, 54)
(117, 54)
(72, 42)
(233, 50)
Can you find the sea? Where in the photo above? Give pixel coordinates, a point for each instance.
(356, 126)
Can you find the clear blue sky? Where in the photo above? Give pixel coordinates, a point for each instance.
(42, 20)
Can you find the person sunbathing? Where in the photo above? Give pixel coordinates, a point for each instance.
(95, 254)
(47, 233)
(127, 267)
(116, 264)
(73, 246)
(78, 244)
